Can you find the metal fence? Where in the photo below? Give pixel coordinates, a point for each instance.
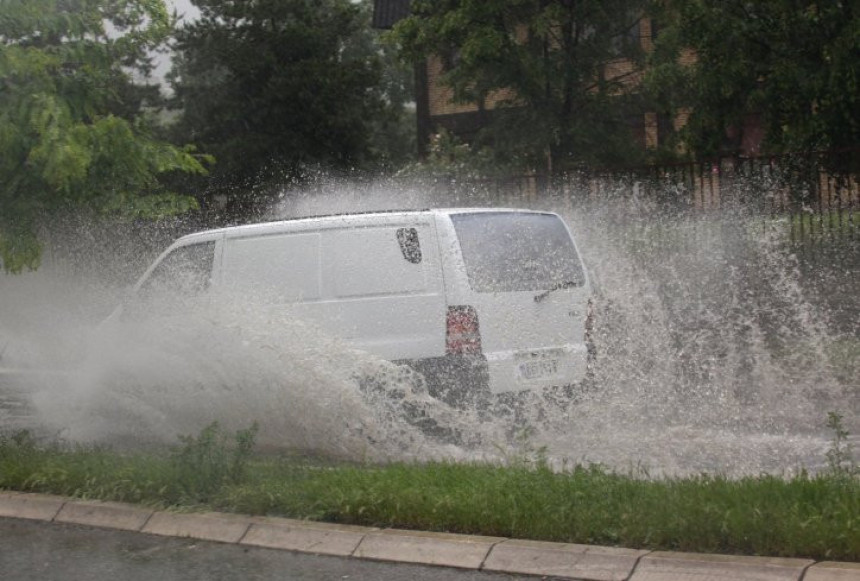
(818, 193)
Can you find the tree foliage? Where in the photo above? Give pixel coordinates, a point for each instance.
(271, 87)
(795, 64)
(72, 127)
(560, 72)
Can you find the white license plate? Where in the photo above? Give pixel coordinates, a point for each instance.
(538, 369)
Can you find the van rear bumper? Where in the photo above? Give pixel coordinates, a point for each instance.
(467, 380)
(537, 369)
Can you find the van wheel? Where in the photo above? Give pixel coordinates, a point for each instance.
(518, 408)
(548, 408)
(461, 382)
(461, 397)
(416, 412)
(391, 382)
(416, 415)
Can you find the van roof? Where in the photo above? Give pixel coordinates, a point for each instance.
(358, 217)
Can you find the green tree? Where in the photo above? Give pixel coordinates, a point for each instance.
(795, 64)
(272, 87)
(568, 68)
(73, 129)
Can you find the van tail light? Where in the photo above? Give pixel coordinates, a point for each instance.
(462, 335)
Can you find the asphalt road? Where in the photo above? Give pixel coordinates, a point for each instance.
(38, 551)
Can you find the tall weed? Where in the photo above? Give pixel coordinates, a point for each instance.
(204, 464)
(840, 456)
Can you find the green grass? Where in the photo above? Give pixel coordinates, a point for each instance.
(816, 516)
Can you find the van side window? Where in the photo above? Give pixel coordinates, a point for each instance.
(409, 245)
(186, 271)
(367, 262)
(280, 267)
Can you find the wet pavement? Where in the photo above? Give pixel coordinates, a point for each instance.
(39, 551)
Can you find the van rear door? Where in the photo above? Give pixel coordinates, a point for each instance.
(528, 286)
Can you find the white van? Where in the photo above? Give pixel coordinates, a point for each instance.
(476, 300)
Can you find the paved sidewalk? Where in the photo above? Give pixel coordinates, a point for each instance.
(491, 554)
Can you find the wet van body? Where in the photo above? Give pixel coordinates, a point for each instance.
(477, 300)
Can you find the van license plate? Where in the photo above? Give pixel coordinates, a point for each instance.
(538, 369)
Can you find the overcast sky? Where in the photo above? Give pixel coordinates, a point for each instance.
(183, 8)
(186, 11)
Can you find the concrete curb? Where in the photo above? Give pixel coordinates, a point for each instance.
(110, 515)
(833, 571)
(445, 549)
(563, 560)
(661, 565)
(304, 536)
(557, 560)
(206, 526)
(30, 506)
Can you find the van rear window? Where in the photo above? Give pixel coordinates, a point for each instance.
(517, 251)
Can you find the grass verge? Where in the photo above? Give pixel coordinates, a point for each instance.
(816, 516)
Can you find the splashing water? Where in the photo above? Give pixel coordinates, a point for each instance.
(235, 360)
(711, 357)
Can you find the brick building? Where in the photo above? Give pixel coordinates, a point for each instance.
(436, 110)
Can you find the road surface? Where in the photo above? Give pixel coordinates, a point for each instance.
(39, 551)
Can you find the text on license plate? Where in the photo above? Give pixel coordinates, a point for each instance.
(538, 369)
